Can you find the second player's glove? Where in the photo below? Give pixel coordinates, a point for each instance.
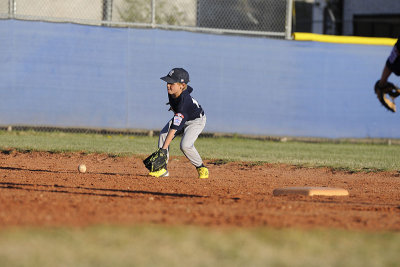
(157, 160)
(388, 89)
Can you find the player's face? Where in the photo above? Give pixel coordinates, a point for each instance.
(174, 89)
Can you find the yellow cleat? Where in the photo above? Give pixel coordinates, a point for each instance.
(160, 173)
(203, 172)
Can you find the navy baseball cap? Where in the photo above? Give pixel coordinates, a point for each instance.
(176, 75)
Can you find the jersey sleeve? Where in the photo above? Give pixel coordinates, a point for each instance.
(178, 121)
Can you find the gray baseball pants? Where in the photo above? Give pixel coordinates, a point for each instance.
(191, 130)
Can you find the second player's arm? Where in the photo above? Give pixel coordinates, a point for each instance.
(386, 71)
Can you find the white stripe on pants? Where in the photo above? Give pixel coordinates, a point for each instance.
(192, 130)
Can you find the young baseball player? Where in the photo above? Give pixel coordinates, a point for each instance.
(189, 119)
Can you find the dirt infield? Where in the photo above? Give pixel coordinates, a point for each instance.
(45, 189)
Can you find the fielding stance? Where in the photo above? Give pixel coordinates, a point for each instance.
(189, 119)
(382, 86)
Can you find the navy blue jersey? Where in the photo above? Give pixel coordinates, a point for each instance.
(393, 61)
(185, 108)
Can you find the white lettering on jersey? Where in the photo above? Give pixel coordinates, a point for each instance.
(393, 55)
(178, 119)
(195, 102)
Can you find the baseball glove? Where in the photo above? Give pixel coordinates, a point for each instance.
(388, 89)
(157, 160)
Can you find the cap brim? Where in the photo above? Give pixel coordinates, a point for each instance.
(168, 79)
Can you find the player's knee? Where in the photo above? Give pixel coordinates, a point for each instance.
(185, 146)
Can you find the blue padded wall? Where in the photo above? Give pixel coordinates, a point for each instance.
(87, 76)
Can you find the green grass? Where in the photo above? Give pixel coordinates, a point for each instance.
(355, 157)
(67, 142)
(342, 156)
(190, 246)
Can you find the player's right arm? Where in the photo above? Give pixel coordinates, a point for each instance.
(170, 137)
(177, 123)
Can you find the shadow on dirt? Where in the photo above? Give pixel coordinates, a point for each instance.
(53, 171)
(70, 190)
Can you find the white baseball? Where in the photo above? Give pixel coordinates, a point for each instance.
(82, 168)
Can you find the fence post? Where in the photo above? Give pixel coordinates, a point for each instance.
(153, 13)
(107, 10)
(289, 15)
(12, 8)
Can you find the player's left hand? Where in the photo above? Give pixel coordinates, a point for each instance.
(157, 160)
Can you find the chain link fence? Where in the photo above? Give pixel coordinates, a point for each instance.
(253, 17)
